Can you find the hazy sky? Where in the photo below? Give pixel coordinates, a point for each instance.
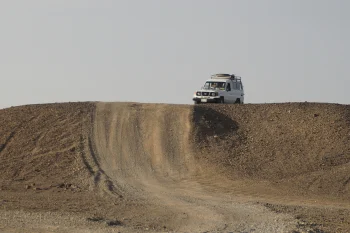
(161, 51)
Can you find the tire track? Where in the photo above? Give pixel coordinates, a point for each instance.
(88, 155)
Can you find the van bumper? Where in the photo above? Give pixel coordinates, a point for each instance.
(206, 100)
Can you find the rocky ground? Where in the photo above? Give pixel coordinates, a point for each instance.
(129, 167)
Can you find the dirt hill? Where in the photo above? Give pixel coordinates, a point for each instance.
(132, 167)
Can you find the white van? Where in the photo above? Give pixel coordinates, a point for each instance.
(221, 88)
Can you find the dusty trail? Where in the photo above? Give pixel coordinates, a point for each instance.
(146, 154)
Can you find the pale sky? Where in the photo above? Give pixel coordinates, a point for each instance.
(162, 51)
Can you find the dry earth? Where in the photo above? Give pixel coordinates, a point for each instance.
(130, 167)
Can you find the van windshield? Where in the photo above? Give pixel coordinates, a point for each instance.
(215, 85)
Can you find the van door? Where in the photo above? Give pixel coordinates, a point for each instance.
(237, 91)
(229, 98)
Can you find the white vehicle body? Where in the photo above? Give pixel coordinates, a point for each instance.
(221, 88)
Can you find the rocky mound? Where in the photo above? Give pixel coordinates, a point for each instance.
(156, 166)
(301, 147)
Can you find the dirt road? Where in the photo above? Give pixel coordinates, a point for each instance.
(126, 167)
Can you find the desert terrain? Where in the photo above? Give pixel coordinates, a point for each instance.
(132, 167)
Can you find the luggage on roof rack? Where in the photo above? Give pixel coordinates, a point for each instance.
(222, 75)
(225, 76)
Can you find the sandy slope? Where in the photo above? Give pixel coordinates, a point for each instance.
(146, 153)
(105, 167)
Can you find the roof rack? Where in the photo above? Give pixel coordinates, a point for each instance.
(225, 76)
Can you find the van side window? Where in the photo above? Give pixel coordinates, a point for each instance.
(228, 87)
